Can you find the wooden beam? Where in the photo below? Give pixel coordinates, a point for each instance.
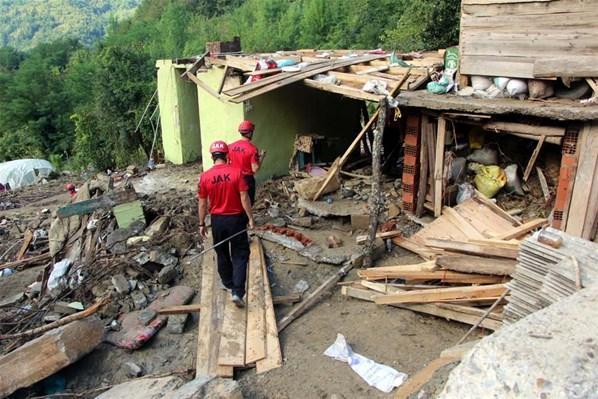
(433, 295)
(286, 299)
(522, 230)
(439, 167)
(343, 90)
(575, 67)
(532, 160)
(523, 128)
(232, 335)
(256, 315)
(478, 248)
(45, 355)
(375, 201)
(441, 275)
(417, 381)
(543, 184)
(314, 297)
(430, 309)
(27, 238)
(181, 309)
(273, 357)
(477, 264)
(27, 262)
(388, 234)
(205, 87)
(223, 80)
(423, 165)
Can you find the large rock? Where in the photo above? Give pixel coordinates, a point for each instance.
(552, 353)
(143, 388)
(204, 387)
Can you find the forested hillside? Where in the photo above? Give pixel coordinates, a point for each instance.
(27, 23)
(79, 105)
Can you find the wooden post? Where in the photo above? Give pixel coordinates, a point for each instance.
(375, 197)
(439, 167)
(423, 166)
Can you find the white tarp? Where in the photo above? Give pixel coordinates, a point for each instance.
(24, 172)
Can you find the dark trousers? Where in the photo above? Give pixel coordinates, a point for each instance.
(250, 180)
(233, 255)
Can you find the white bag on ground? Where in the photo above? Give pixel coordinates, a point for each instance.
(513, 181)
(480, 82)
(377, 375)
(57, 280)
(516, 87)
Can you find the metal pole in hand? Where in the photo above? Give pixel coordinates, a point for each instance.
(223, 241)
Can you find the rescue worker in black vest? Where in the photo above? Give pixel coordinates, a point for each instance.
(223, 191)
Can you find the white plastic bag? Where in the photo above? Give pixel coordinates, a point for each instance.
(57, 280)
(377, 375)
(516, 87)
(480, 82)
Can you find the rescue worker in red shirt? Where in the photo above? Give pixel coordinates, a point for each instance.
(223, 191)
(244, 155)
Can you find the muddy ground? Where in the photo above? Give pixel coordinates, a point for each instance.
(399, 338)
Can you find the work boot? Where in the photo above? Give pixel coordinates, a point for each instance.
(238, 301)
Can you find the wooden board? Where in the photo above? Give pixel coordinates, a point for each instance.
(414, 384)
(522, 230)
(27, 238)
(430, 296)
(181, 309)
(439, 167)
(534, 37)
(477, 264)
(208, 336)
(582, 212)
(48, 354)
(473, 248)
(232, 335)
(255, 348)
(273, 357)
(430, 309)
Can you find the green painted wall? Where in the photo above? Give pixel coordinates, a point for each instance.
(279, 116)
(179, 118)
(219, 120)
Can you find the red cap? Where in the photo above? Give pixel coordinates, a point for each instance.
(246, 127)
(219, 146)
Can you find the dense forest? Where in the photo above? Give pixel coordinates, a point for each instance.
(79, 105)
(27, 23)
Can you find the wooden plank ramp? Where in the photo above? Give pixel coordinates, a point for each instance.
(229, 336)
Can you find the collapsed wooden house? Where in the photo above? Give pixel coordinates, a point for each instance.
(204, 98)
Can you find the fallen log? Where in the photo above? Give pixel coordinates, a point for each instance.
(45, 355)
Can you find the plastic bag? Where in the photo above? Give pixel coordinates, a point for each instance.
(513, 181)
(516, 87)
(57, 280)
(489, 180)
(466, 191)
(377, 375)
(480, 82)
(485, 156)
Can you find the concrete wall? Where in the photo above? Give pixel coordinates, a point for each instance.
(218, 119)
(279, 116)
(179, 118)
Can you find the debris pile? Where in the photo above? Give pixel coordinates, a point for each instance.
(96, 257)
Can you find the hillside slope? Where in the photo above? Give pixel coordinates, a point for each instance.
(26, 23)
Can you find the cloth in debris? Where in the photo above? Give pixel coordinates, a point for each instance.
(377, 375)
